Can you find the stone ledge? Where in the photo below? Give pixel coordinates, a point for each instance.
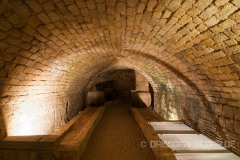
(62, 130)
(73, 147)
(54, 147)
(37, 142)
(161, 152)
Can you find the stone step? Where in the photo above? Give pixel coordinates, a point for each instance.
(206, 156)
(187, 144)
(191, 143)
(172, 127)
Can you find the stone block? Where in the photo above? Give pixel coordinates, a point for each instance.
(74, 9)
(34, 5)
(236, 3)
(237, 126)
(91, 4)
(222, 121)
(132, 3)
(121, 8)
(209, 12)
(140, 98)
(5, 25)
(141, 7)
(173, 6)
(44, 18)
(95, 98)
(237, 114)
(48, 6)
(151, 5)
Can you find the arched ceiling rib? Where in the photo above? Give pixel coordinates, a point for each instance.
(195, 37)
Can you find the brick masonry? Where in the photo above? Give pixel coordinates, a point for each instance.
(50, 50)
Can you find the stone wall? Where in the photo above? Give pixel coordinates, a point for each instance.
(41, 116)
(167, 102)
(142, 83)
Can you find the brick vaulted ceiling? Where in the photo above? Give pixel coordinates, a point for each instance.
(55, 47)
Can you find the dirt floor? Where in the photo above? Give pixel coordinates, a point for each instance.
(117, 137)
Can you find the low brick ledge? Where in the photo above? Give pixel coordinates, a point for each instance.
(73, 147)
(39, 142)
(49, 147)
(161, 152)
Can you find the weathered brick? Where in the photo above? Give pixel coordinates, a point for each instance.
(101, 7)
(110, 10)
(151, 5)
(237, 126)
(227, 111)
(157, 15)
(166, 14)
(33, 21)
(236, 3)
(229, 124)
(174, 5)
(219, 3)
(1, 63)
(236, 58)
(12, 40)
(5, 25)
(141, 7)
(48, 6)
(226, 11)
(208, 12)
(74, 9)
(81, 3)
(237, 114)
(121, 7)
(91, 4)
(34, 5)
(44, 18)
(222, 121)
(53, 16)
(236, 29)
(16, 21)
(211, 21)
(29, 30)
(130, 3)
(21, 9)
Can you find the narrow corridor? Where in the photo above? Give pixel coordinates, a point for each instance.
(117, 137)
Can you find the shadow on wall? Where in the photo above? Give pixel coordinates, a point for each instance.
(3, 100)
(152, 95)
(3, 133)
(206, 105)
(167, 103)
(193, 106)
(141, 99)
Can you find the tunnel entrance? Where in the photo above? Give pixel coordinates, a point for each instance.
(118, 84)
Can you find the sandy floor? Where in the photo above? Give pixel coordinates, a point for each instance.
(117, 137)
